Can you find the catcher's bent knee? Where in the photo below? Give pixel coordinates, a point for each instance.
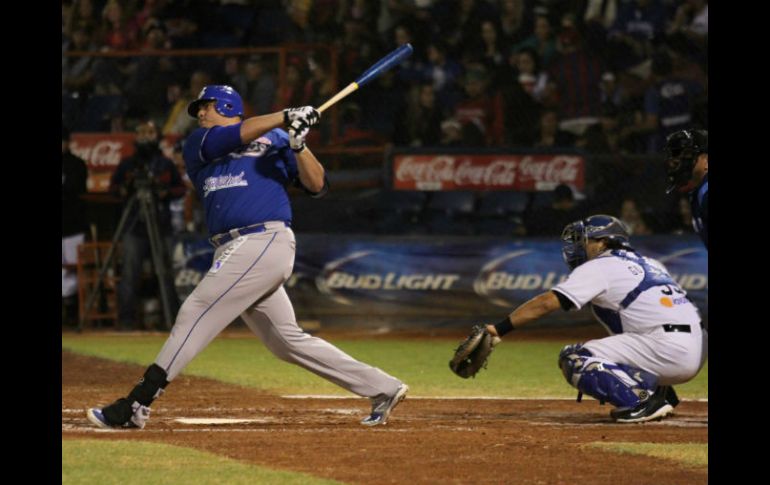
(618, 384)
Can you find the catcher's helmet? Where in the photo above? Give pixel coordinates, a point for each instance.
(682, 150)
(228, 101)
(576, 235)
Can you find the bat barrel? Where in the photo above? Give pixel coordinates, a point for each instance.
(384, 64)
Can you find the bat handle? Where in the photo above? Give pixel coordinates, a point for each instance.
(348, 89)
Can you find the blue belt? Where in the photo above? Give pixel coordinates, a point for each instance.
(228, 236)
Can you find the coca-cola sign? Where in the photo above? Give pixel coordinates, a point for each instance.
(104, 151)
(487, 172)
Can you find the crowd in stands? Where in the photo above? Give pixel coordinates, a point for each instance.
(607, 76)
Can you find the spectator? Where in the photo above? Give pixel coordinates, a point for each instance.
(178, 122)
(684, 224)
(576, 74)
(551, 219)
(234, 74)
(451, 133)
(82, 16)
(531, 78)
(115, 31)
(410, 70)
(77, 72)
(598, 17)
(512, 21)
(290, 94)
(147, 165)
(541, 41)
(73, 185)
(638, 27)
(668, 105)
(444, 73)
(480, 107)
(633, 218)
(603, 137)
(521, 94)
(465, 23)
(689, 30)
(146, 87)
(385, 102)
(491, 50)
(422, 123)
(261, 87)
(318, 88)
(550, 135)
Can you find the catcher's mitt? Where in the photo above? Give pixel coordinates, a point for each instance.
(473, 352)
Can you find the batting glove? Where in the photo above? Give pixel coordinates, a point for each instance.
(308, 114)
(298, 130)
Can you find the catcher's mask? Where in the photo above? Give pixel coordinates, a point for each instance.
(576, 234)
(681, 151)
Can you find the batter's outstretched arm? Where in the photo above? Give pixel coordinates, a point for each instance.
(311, 172)
(531, 310)
(256, 126)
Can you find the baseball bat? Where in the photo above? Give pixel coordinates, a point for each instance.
(395, 57)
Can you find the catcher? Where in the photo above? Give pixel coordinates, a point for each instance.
(656, 336)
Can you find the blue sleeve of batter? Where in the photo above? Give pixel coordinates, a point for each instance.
(206, 145)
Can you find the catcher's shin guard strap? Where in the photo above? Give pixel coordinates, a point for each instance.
(150, 386)
(504, 327)
(622, 386)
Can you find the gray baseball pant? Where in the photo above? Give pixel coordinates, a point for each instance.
(246, 279)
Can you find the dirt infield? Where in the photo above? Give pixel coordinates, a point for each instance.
(426, 440)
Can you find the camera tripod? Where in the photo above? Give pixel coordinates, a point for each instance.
(145, 198)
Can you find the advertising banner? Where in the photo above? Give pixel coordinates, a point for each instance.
(522, 172)
(103, 152)
(429, 279)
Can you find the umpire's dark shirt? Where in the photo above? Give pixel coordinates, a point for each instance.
(73, 185)
(699, 205)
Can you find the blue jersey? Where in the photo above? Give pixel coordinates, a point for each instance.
(699, 206)
(239, 184)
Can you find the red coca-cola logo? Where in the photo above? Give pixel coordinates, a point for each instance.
(559, 169)
(496, 173)
(518, 172)
(436, 169)
(103, 153)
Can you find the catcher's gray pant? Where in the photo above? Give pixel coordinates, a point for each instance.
(247, 279)
(674, 357)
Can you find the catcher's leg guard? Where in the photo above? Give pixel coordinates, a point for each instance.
(618, 384)
(135, 406)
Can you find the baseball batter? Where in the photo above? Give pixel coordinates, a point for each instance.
(240, 169)
(656, 337)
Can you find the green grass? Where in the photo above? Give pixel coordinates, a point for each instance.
(689, 454)
(121, 462)
(516, 369)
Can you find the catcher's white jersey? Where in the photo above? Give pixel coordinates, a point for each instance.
(629, 293)
(657, 329)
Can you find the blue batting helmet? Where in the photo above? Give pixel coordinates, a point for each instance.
(576, 235)
(228, 101)
(682, 150)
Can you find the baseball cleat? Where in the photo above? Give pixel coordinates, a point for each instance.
(381, 408)
(96, 417)
(656, 407)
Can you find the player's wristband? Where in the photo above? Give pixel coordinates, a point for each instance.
(299, 150)
(504, 327)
